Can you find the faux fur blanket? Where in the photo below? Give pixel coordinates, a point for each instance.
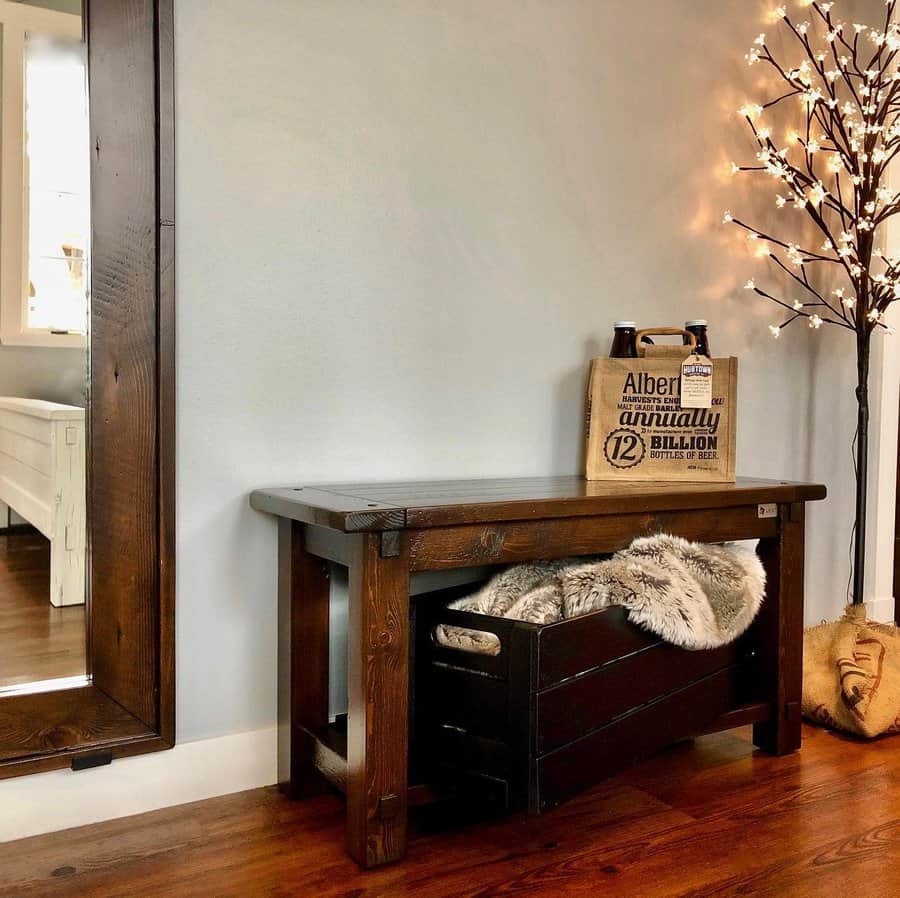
(692, 595)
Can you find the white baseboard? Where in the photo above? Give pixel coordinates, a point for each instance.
(881, 610)
(191, 771)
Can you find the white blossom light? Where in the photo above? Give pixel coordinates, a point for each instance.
(843, 103)
(817, 194)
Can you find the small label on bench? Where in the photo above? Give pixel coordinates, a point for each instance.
(770, 510)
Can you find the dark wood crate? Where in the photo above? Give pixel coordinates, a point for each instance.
(564, 705)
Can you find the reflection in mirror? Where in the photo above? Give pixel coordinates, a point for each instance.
(58, 189)
(44, 234)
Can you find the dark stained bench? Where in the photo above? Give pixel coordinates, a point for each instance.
(384, 532)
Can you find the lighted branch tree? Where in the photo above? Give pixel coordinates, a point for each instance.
(833, 172)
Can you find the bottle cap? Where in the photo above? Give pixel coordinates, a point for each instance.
(697, 322)
(622, 324)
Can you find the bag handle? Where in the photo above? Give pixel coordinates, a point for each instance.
(665, 351)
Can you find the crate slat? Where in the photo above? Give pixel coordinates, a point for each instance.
(566, 771)
(572, 647)
(574, 708)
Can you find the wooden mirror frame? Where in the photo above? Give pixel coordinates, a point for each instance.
(128, 707)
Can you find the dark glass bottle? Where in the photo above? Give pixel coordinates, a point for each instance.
(624, 345)
(698, 328)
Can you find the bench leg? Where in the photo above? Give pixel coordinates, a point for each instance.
(378, 683)
(781, 633)
(303, 596)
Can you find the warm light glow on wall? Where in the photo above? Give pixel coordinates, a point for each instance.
(845, 88)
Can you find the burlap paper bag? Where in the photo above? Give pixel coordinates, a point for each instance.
(851, 675)
(637, 428)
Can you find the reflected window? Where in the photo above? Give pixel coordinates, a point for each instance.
(58, 189)
(44, 178)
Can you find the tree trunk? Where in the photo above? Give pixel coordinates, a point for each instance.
(862, 465)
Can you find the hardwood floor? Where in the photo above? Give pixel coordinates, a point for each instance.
(37, 641)
(713, 817)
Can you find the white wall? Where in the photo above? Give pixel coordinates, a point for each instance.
(405, 226)
(58, 375)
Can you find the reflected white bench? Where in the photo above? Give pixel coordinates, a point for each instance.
(42, 479)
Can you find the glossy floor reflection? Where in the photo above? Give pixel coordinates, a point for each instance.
(712, 817)
(37, 641)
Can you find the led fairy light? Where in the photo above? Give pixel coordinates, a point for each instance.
(834, 168)
(842, 89)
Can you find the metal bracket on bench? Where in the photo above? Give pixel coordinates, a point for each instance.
(390, 544)
(389, 806)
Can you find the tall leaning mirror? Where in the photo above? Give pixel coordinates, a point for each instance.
(44, 251)
(87, 237)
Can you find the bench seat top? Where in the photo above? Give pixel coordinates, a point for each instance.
(361, 507)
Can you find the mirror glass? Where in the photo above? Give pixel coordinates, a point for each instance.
(44, 291)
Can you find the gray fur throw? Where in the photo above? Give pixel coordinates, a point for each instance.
(692, 595)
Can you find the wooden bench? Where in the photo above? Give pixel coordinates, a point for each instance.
(383, 533)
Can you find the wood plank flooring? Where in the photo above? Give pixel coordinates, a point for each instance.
(709, 818)
(37, 641)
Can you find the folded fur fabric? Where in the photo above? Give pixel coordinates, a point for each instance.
(692, 595)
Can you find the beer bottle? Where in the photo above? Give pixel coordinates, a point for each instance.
(698, 328)
(624, 344)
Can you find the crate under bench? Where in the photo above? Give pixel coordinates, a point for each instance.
(565, 723)
(564, 705)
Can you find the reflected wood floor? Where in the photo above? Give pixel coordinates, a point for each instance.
(713, 817)
(37, 641)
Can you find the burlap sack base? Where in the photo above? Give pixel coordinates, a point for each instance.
(851, 675)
